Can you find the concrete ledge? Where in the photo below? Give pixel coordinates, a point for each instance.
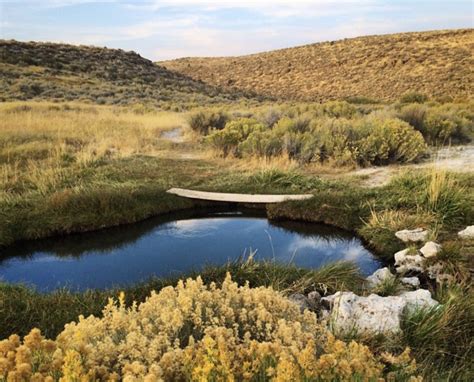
(235, 198)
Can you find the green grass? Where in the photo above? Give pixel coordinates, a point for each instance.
(442, 338)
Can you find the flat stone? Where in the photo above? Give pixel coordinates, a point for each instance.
(373, 314)
(379, 276)
(411, 281)
(467, 233)
(412, 235)
(430, 249)
(236, 198)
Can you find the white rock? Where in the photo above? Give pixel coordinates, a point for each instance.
(400, 256)
(430, 249)
(467, 233)
(405, 262)
(412, 281)
(412, 235)
(420, 298)
(379, 276)
(373, 314)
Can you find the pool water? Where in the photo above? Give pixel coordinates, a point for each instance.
(173, 245)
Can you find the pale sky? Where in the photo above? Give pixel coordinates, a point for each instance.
(164, 29)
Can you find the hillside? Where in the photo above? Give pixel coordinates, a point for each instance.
(437, 63)
(30, 70)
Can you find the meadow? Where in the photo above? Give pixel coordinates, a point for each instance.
(72, 167)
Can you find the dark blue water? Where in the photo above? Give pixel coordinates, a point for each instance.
(173, 245)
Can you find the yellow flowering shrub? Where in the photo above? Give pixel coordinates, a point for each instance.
(194, 332)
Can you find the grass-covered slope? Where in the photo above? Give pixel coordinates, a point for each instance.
(31, 70)
(382, 67)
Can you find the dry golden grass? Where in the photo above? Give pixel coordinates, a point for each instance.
(41, 142)
(382, 67)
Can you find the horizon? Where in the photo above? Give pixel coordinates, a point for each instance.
(164, 30)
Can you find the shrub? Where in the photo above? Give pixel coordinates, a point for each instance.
(338, 109)
(389, 140)
(197, 332)
(414, 114)
(413, 97)
(227, 140)
(204, 121)
(442, 126)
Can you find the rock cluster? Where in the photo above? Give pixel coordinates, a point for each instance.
(412, 259)
(347, 312)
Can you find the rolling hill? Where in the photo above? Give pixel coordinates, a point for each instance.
(436, 63)
(31, 70)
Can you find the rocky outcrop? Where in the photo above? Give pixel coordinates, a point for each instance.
(373, 314)
(412, 235)
(467, 233)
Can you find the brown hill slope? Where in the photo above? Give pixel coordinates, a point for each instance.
(436, 63)
(32, 70)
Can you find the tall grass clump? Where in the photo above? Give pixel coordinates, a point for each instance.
(442, 338)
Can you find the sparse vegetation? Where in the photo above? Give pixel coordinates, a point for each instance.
(380, 67)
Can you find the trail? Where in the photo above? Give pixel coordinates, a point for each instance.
(455, 158)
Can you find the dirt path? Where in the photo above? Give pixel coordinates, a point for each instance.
(457, 158)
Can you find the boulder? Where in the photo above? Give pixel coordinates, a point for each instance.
(379, 276)
(373, 314)
(411, 281)
(412, 235)
(467, 233)
(430, 249)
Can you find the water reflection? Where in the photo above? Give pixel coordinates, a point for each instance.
(175, 244)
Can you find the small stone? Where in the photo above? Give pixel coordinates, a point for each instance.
(400, 256)
(379, 276)
(405, 262)
(314, 298)
(430, 249)
(467, 233)
(300, 300)
(411, 281)
(412, 235)
(434, 270)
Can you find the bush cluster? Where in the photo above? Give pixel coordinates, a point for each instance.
(440, 124)
(367, 140)
(202, 333)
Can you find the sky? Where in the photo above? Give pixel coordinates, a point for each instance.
(166, 29)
